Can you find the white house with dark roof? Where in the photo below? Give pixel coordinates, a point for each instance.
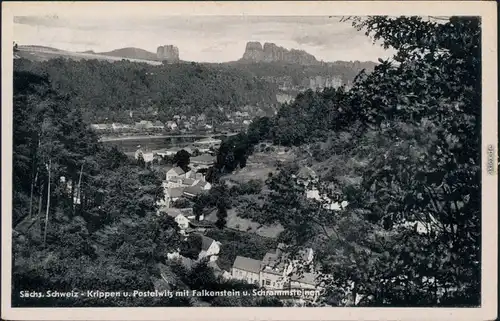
(178, 217)
(209, 248)
(204, 185)
(246, 269)
(171, 195)
(158, 125)
(202, 161)
(172, 125)
(175, 173)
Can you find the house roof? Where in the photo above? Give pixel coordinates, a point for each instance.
(247, 264)
(172, 149)
(175, 192)
(201, 184)
(188, 181)
(201, 224)
(272, 260)
(173, 212)
(178, 170)
(206, 242)
(307, 278)
(158, 123)
(187, 210)
(193, 190)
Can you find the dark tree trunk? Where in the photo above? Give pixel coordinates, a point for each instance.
(48, 205)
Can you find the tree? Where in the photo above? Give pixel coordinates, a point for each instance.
(140, 160)
(192, 248)
(417, 207)
(182, 159)
(221, 215)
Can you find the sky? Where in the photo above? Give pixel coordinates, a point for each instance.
(200, 38)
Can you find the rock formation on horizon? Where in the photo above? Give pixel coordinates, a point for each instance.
(270, 52)
(168, 53)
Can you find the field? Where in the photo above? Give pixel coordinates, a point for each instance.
(262, 162)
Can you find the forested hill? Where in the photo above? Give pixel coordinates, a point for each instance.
(132, 53)
(296, 74)
(104, 90)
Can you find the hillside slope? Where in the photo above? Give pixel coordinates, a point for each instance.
(109, 91)
(131, 53)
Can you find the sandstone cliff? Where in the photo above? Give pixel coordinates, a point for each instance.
(270, 52)
(168, 53)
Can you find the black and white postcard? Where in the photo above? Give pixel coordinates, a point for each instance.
(249, 160)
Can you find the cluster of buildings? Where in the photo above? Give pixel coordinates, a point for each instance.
(286, 83)
(179, 183)
(278, 270)
(177, 123)
(309, 179)
(205, 146)
(180, 123)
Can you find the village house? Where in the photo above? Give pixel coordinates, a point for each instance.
(101, 127)
(304, 281)
(177, 117)
(246, 269)
(158, 125)
(175, 173)
(202, 161)
(193, 174)
(193, 191)
(119, 126)
(171, 194)
(200, 226)
(172, 125)
(306, 176)
(144, 124)
(273, 270)
(209, 248)
(313, 193)
(188, 125)
(202, 118)
(169, 152)
(276, 270)
(204, 185)
(147, 156)
(179, 218)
